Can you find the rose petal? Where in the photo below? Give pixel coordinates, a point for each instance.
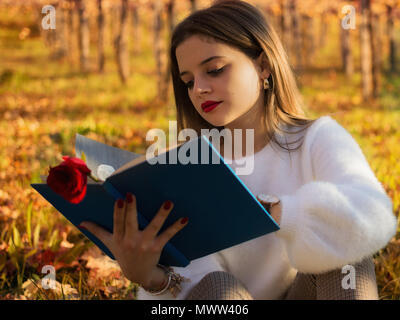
(78, 198)
(77, 163)
(58, 178)
(69, 180)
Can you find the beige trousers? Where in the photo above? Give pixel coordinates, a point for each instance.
(221, 285)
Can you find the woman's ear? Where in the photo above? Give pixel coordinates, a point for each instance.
(263, 66)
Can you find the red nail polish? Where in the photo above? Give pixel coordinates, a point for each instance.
(167, 204)
(120, 203)
(184, 220)
(82, 227)
(129, 197)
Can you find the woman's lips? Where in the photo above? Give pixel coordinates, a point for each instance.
(211, 107)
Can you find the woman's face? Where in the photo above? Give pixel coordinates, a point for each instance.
(232, 78)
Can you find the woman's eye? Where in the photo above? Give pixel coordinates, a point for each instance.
(217, 71)
(213, 72)
(189, 84)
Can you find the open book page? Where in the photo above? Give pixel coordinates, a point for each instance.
(141, 159)
(130, 164)
(98, 153)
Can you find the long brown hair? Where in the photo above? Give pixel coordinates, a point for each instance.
(241, 25)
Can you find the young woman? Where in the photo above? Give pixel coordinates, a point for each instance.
(331, 209)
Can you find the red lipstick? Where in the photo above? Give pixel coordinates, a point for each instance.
(209, 105)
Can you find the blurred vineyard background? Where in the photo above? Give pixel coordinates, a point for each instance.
(103, 73)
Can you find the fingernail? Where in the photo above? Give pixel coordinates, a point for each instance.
(120, 203)
(167, 204)
(82, 227)
(129, 197)
(184, 220)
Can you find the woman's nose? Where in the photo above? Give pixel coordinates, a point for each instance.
(201, 86)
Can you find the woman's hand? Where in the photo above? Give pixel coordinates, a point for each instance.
(137, 252)
(275, 212)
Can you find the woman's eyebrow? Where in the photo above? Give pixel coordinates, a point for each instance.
(203, 62)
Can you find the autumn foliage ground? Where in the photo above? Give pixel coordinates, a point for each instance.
(45, 102)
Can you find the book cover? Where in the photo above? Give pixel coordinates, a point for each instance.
(222, 211)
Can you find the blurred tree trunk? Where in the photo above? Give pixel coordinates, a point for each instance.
(100, 39)
(158, 48)
(277, 23)
(323, 29)
(273, 19)
(347, 58)
(71, 30)
(83, 36)
(193, 5)
(114, 15)
(61, 48)
(296, 45)
(376, 52)
(285, 27)
(308, 40)
(171, 21)
(48, 35)
(392, 44)
(366, 50)
(171, 18)
(121, 44)
(137, 42)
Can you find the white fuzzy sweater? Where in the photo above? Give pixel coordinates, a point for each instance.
(334, 212)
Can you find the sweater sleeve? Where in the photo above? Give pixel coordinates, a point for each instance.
(344, 214)
(193, 273)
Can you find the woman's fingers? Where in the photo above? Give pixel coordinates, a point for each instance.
(131, 223)
(100, 233)
(155, 225)
(172, 230)
(264, 204)
(119, 219)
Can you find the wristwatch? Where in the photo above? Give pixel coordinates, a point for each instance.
(268, 201)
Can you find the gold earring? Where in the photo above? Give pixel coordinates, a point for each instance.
(266, 84)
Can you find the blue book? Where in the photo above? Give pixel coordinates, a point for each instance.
(222, 211)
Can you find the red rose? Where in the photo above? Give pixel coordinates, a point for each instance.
(69, 179)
